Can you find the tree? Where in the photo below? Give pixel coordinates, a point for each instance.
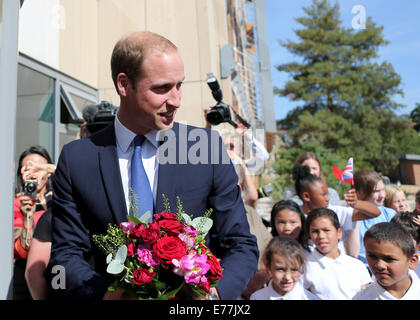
(335, 70)
(415, 114)
(347, 97)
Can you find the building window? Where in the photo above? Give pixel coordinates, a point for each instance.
(34, 110)
(49, 107)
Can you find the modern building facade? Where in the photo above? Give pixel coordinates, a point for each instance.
(61, 63)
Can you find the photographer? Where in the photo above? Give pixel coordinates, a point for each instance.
(221, 113)
(33, 196)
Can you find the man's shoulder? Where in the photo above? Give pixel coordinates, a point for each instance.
(98, 139)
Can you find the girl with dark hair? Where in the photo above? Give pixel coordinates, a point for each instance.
(34, 170)
(284, 260)
(287, 220)
(330, 273)
(310, 159)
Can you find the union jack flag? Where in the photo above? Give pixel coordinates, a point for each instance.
(346, 175)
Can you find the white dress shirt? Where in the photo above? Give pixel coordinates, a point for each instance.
(125, 149)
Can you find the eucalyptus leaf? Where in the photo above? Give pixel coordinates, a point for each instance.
(114, 267)
(121, 254)
(108, 258)
(145, 217)
(202, 224)
(187, 218)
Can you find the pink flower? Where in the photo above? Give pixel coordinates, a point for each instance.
(147, 257)
(127, 226)
(192, 267)
(188, 236)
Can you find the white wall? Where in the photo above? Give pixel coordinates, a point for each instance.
(39, 25)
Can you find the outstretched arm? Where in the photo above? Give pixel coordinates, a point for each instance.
(362, 209)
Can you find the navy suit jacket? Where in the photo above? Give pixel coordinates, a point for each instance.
(88, 195)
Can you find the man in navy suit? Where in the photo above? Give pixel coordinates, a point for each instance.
(92, 178)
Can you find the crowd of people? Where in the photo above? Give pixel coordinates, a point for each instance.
(314, 249)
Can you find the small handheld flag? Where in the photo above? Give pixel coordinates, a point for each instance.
(346, 175)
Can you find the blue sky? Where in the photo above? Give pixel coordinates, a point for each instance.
(401, 22)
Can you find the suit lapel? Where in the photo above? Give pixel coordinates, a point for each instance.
(111, 176)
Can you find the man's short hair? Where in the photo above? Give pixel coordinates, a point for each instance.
(394, 233)
(131, 50)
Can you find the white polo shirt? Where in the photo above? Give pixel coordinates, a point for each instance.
(334, 279)
(375, 291)
(297, 293)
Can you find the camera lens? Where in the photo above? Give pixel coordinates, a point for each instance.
(30, 187)
(215, 117)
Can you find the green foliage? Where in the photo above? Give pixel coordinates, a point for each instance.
(111, 241)
(348, 107)
(415, 114)
(335, 70)
(285, 159)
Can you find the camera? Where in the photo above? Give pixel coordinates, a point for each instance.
(30, 188)
(265, 191)
(220, 112)
(99, 116)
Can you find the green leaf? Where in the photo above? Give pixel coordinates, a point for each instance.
(187, 218)
(121, 254)
(115, 267)
(133, 219)
(145, 217)
(202, 224)
(109, 258)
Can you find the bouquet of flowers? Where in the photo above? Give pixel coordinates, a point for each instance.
(165, 259)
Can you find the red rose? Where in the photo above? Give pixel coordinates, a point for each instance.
(205, 286)
(136, 231)
(150, 234)
(215, 272)
(131, 247)
(165, 215)
(172, 227)
(143, 276)
(168, 248)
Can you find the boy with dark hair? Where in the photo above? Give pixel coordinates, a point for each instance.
(409, 221)
(390, 253)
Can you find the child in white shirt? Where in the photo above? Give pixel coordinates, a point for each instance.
(390, 253)
(314, 194)
(284, 260)
(331, 274)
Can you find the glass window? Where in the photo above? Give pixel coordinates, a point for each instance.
(34, 110)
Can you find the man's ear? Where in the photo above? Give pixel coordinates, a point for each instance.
(413, 261)
(122, 84)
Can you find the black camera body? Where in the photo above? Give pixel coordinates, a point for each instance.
(30, 189)
(220, 112)
(100, 117)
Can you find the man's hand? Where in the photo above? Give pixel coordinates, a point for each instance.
(206, 111)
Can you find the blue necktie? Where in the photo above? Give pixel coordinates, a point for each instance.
(139, 180)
